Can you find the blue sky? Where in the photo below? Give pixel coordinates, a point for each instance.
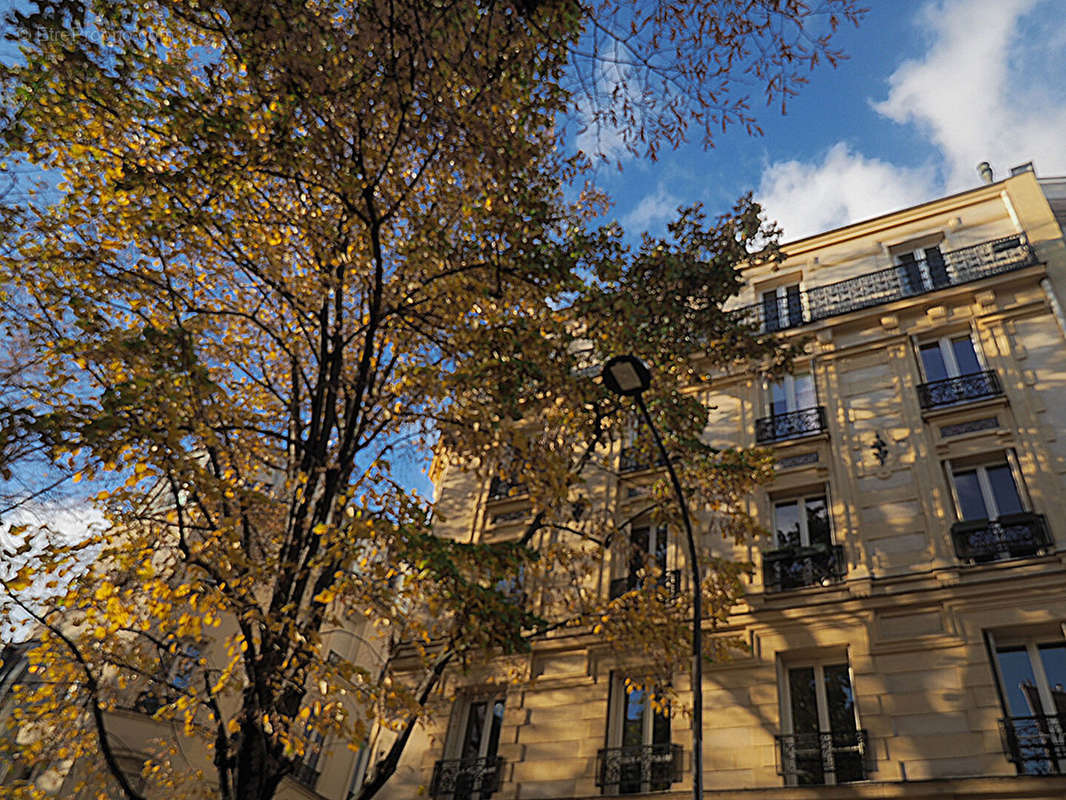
(930, 88)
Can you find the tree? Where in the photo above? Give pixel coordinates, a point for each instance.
(294, 241)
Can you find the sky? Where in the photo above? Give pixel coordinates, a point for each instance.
(930, 88)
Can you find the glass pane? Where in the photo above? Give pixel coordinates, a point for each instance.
(475, 725)
(494, 731)
(787, 521)
(971, 501)
(1004, 490)
(778, 398)
(1053, 657)
(802, 700)
(660, 727)
(633, 724)
(770, 311)
(965, 356)
(1019, 684)
(933, 363)
(660, 548)
(804, 391)
(638, 539)
(840, 702)
(817, 521)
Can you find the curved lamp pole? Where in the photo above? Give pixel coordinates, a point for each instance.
(627, 376)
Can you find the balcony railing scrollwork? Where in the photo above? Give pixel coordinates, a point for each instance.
(950, 268)
(1036, 745)
(1010, 536)
(796, 567)
(639, 768)
(791, 425)
(824, 757)
(670, 580)
(961, 389)
(466, 778)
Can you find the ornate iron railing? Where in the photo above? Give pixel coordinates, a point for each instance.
(962, 389)
(953, 268)
(792, 425)
(669, 580)
(796, 567)
(639, 768)
(823, 757)
(633, 461)
(1036, 745)
(1011, 536)
(466, 778)
(500, 489)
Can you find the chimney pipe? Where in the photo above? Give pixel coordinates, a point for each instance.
(984, 169)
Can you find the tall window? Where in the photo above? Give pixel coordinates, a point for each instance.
(782, 307)
(639, 757)
(802, 521)
(986, 491)
(921, 269)
(792, 393)
(949, 357)
(822, 743)
(1032, 675)
(473, 769)
(647, 548)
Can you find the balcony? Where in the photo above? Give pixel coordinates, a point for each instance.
(639, 768)
(1035, 745)
(792, 425)
(669, 580)
(796, 567)
(466, 778)
(824, 757)
(895, 283)
(1011, 536)
(963, 389)
(500, 489)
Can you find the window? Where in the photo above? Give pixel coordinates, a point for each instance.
(474, 769)
(985, 491)
(639, 757)
(949, 357)
(792, 393)
(1032, 679)
(822, 743)
(647, 554)
(920, 268)
(782, 307)
(802, 522)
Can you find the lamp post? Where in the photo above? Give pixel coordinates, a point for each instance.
(627, 376)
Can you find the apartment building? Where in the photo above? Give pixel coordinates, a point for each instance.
(905, 617)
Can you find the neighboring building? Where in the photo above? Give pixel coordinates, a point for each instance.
(905, 620)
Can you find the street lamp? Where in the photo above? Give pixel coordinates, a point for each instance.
(627, 376)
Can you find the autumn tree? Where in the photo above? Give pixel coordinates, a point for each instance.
(296, 241)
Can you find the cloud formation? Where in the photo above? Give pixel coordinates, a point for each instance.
(807, 197)
(990, 86)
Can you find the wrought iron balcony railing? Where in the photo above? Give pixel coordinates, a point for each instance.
(1036, 745)
(466, 778)
(1011, 536)
(791, 425)
(500, 489)
(963, 389)
(669, 580)
(953, 268)
(796, 567)
(824, 757)
(638, 768)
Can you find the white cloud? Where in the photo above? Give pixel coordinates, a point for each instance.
(652, 213)
(814, 196)
(979, 93)
(990, 86)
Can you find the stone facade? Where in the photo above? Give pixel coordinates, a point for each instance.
(903, 642)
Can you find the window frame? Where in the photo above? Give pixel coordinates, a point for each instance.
(800, 499)
(787, 383)
(783, 306)
(947, 355)
(617, 707)
(981, 466)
